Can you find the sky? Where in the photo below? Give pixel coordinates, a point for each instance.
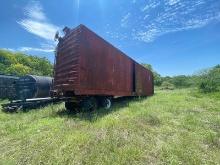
(175, 36)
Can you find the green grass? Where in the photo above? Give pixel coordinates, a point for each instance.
(172, 127)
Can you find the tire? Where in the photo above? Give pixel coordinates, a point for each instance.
(89, 104)
(106, 103)
(70, 106)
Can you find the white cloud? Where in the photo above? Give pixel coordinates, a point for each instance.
(124, 20)
(146, 16)
(154, 32)
(35, 11)
(147, 36)
(174, 16)
(43, 30)
(172, 2)
(151, 5)
(28, 49)
(9, 49)
(46, 47)
(156, 18)
(36, 21)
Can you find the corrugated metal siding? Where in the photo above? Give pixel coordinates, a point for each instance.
(67, 61)
(104, 69)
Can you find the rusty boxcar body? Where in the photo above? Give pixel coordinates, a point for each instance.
(87, 65)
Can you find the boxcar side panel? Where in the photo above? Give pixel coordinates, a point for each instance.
(104, 70)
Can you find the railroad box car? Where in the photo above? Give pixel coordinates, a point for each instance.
(89, 68)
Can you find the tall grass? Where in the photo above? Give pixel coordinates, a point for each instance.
(172, 127)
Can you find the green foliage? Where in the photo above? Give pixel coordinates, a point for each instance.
(182, 81)
(166, 85)
(21, 64)
(148, 66)
(217, 66)
(167, 78)
(6, 58)
(207, 80)
(18, 69)
(172, 127)
(210, 80)
(157, 79)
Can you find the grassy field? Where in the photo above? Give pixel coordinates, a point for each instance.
(172, 127)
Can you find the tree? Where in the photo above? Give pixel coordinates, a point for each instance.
(18, 69)
(167, 86)
(10, 61)
(181, 81)
(209, 80)
(148, 66)
(6, 58)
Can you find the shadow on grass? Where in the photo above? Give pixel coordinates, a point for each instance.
(118, 104)
(19, 108)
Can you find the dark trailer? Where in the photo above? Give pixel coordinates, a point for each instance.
(31, 92)
(89, 70)
(7, 86)
(32, 86)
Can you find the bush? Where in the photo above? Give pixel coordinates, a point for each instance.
(182, 81)
(167, 86)
(21, 64)
(210, 80)
(18, 69)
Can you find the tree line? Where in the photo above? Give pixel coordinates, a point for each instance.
(207, 80)
(19, 64)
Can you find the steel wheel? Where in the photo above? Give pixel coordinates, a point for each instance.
(70, 106)
(106, 103)
(89, 104)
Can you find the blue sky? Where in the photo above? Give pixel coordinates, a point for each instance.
(174, 36)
